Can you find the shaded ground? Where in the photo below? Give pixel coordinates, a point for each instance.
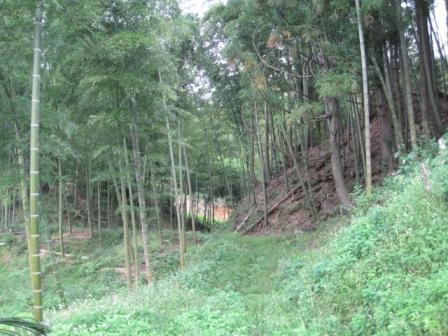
(293, 214)
(232, 285)
(227, 289)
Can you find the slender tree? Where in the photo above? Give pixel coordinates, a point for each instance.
(365, 87)
(406, 77)
(60, 219)
(34, 250)
(124, 214)
(141, 199)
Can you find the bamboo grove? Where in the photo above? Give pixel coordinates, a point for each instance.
(144, 108)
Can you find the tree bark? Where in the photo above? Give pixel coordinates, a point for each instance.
(124, 215)
(428, 58)
(34, 250)
(133, 221)
(386, 134)
(61, 232)
(406, 77)
(263, 165)
(181, 185)
(88, 192)
(174, 185)
(190, 191)
(141, 199)
(336, 166)
(365, 86)
(98, 194)
(332, 111)
(424, 96)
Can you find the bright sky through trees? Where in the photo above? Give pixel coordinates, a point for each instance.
(440, 13)
(198, 7)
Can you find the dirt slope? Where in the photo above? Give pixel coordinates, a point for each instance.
(292, 215)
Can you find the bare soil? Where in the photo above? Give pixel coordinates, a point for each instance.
(293, 214)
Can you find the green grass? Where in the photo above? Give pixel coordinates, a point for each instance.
(88, 273)
(232, 286)
(382, 270)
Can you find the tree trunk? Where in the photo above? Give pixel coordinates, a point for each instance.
(428, 58)
(386, 135)
(124, 215)
(61, 232)
(424, 96)
(406, 78)
(67, 209)
(34, 250)
(108, 205)
(263, 165)
(190, 192)
(389, 96)
(396, 75)
(132, 210)
(155, 193)
(266, 144)
(390, 102)
(13, 215)
(365, 89)
(181, 185)
(98, 194)
(174, 184)
(141, 200)
(336, 166)
(88, 192)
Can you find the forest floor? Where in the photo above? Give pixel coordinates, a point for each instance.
(288, 210)
(232, 286)
(381, 270)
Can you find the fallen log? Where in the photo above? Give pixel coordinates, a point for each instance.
(13, 233)
(272, 209)
(44, 252)
(238, 228)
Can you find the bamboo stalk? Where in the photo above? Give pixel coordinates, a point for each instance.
(34, 171)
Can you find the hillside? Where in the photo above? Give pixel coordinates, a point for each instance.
(287, 208)
(379, 271)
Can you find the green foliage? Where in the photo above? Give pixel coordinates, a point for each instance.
(386, 273)
(333, 84)
(15, 327)
(220, 293)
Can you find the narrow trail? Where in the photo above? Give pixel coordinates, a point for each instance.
(250, 266)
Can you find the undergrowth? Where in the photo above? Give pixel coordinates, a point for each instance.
(387, 273)
(382, 270)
